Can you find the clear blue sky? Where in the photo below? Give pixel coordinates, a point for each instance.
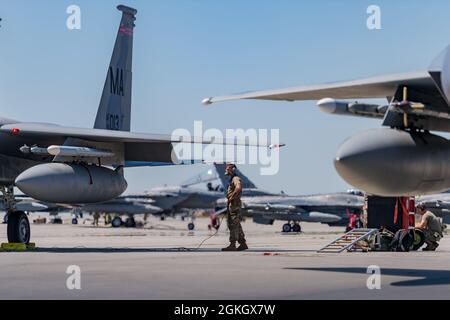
(186, 50)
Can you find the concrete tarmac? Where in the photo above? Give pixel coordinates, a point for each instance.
(160, 262)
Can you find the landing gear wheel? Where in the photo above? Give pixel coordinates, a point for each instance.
(191, 226)
(116, 222)
(5, 218)
(74, 221)
(287, 227)
(57, 220)
(18, 228)
(296, 228)
(419, 239)
(130, 223)
(162, 218)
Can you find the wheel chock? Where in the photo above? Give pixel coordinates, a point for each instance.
(17, 246)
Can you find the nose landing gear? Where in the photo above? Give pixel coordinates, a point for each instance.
(130, 222)
(296, 227)
(116, 222)
(286, 227)
(19, 230)
(291, 227)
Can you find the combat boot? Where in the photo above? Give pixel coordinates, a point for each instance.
(242, 247)
(431, 247)
(231, 247)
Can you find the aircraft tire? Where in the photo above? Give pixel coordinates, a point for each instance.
(74, 221)
(287, 228)
(116, 222)
(419, 239)
(191, 226)
(19, 230)
(130, 223)
(296, 228)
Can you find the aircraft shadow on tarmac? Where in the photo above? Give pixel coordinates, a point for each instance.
(138, 250)
(425, 277)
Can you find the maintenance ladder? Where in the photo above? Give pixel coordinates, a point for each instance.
(348, 240)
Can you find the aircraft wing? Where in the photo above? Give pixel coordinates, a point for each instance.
(375, 87)
(50, 130)
(445, 204)
(139, 149)
(428, 88)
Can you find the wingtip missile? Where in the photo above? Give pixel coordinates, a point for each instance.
(207, 101)
(277, 146)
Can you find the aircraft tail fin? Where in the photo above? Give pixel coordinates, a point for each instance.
(114, 111)
(246, 183)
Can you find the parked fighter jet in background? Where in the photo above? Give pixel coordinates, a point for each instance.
(404, 159)
(265, 207)
(30, 205)
(207, 177)
(161, 201)
(24, 205)
(439, 204)
(69, 165)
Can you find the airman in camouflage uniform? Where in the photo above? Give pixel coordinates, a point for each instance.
(431, 226)
(234, 204)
